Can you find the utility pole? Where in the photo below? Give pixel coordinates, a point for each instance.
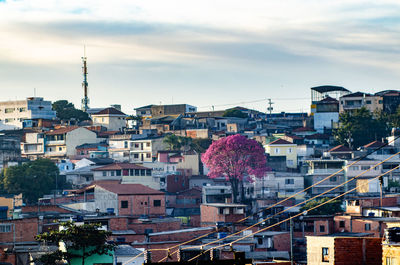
(291, 241)
(270, 108)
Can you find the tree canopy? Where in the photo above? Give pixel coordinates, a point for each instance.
(326, 209)
(360, 127)
(33, 179)
(81, 241)
(234, 113)
(236, 158)
(66, 111)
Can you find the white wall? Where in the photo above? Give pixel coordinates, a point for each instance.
(325, 119)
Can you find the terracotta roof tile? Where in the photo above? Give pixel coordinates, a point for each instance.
(304, 129)
(109, 111)
(62, 130)
(340, 148)
(374, 144)
(280, 141)
(128, 189)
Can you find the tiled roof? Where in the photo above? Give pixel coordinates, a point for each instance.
(129, 189)
(109, 111)
(328, 100)
(374, 144)
(119, 166)
(280, 141)
(340, 148)
(62, 130)
(304, 129)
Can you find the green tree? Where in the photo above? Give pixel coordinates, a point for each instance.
(326, 209)
(201, 145)
(172, 142)
(81, 242)
(66, 111)
(33, 179)
(359, 127)
(234, 113)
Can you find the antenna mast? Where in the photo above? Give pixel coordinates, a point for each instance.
(85, 100)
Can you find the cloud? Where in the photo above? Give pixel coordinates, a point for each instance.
(192, 44)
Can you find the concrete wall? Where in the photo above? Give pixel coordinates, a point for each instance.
(77, 137)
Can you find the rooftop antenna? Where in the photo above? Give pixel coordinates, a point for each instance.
(270, 108)
(85, 99)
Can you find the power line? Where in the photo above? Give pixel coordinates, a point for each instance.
(294, 216)
(319, 182)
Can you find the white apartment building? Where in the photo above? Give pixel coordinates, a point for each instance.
(124, 149)
(18, 113)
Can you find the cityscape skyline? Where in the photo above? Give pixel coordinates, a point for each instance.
(204, 54)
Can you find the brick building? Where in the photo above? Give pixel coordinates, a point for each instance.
(123, 199)
(344, 249)
(212, 213)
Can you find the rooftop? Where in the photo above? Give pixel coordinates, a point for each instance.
(112, 111)
(324, 89)
(120, 166)
(127, 189)
(280, 142)
(62, 130)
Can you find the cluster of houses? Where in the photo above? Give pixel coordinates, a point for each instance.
(123, 175)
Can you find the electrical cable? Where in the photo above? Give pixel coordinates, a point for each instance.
(317, 183)
(294, 216)
(303, 202)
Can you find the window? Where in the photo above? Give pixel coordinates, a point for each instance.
(142, 172)
(333, 179)
(325, 254)
(290, 150)
(148, 172)
(157, 203)
(148, 144)
(104, 173)
(354, 168)
(118, 172)
(368, 101)
(221, 210)
(112, 173)
(289, 181)
(59, 148)
(322, 228)
(276, 150)
(5, 228)
(367, 227)
(124, 204)
(364, 167)
(136, 145)
(341, 224)
(148, 155)
(125, 144)
(290, 162)
(9, 110)
(136, 156)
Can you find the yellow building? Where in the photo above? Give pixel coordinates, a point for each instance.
(282, 147)
(391, 244)
(11, 201)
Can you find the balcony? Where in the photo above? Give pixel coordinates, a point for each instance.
(323, 171)
(55, 142)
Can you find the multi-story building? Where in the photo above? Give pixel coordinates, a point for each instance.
(284, 148)
(9, 148)
(344, 248)
(358, 100)
(134, 148)
(20, 113)
(391, 244)
(33, 146)
(111, 118)
(62, 142)
(319, 169)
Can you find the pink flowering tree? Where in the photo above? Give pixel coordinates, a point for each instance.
(237, 159)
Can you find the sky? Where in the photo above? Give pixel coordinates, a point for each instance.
(208, 53)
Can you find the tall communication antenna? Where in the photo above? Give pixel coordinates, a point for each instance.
(270, 108)
(85, 100)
